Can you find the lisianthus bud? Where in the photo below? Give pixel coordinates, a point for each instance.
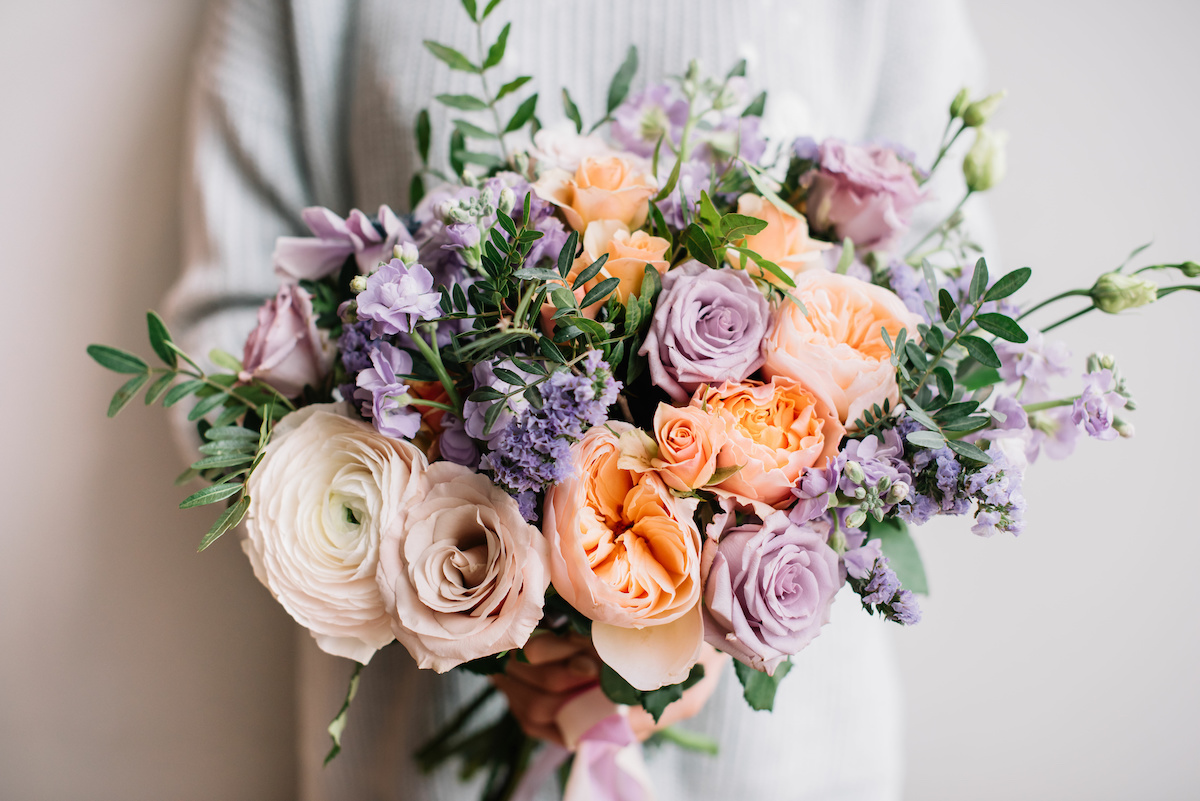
(359, 282)
(855, 472)
(979, 112)
(1190, 269)
(508, 199)
(985, 163)
(1116, 292)
(959, 103)
(1123, 427)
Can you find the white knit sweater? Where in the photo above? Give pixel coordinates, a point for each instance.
(311, 102)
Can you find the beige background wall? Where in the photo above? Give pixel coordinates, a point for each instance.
(1060, 665)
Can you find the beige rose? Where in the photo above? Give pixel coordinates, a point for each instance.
(612, 188)
(463, 576)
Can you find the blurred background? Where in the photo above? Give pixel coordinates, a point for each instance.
(1060, 665)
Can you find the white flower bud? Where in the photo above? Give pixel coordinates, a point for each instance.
(358, 284)
(508, 199)
(1116, 292)
(979, 112)
(406, 253)
(897, 493)
(985, 164)
(855, 472)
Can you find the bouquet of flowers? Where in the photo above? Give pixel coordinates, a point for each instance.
(663, 383)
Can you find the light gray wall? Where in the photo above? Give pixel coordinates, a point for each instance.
(1057, 666)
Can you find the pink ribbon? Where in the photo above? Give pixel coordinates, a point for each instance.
(608, 762)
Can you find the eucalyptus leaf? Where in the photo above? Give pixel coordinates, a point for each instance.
(159, 337)
(619, 88)
(211, 494)
(450, 57)
(926, 439)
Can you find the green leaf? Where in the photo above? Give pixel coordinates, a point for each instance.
(978, 379)
(1002, 326)
(484, 394)
(979, 281)
(566, 256)
(762, 184)
(492, 414)
(213, 494)
(206, 405)
(946, 304)
(490, 6)
(738, 71)
(338, 725)
(739, 226)
(462, 102)
(969, 451)
(651, 284)
(900, 549)
(600, 291)
(550, 350)
(512, 86)
(918, 414)
(523, 114)
(416, 190)
(757, 687)
(672, 180)
(451, 57)
(228, 447)
(117, 360)
(159, 387)
(482, 159)
(981, 351)
(228, 519)
(535, 274)
(496, 51)
(572, 111)
(656, 701)
(1009, 284)
(423, 135)
(126, 393)
(508, 377)
(181, 391)
(616, 688)
(757, 106)
(223, 460)
(159, 337)
(589, 272)
(472, 131)
(926, 439)
(225, 360)
(699, 246)
(469, 5)
(619, 88)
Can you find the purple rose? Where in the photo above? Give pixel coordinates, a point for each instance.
(314, 257)
(865, 192)
(285, 349)
(767, 590)
(396, 297)
(708, 328)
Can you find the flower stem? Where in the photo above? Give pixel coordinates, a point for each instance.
(1051, 404)
(487, 93)
(1067, 319)
(1068, 294)
(939, 226)
(434, 358)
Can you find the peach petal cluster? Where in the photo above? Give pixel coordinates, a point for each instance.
(607, 188)
(784, 241)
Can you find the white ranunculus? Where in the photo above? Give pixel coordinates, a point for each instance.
(462, 573)
(327, 488)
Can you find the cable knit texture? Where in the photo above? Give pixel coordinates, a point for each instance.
(311, 102)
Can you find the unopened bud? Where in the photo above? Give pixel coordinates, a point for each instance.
(508, 199)
(856, 519)
(860, 493)
(985, 163)
(406, 253)
(1190, 269)
(855, 472)
(897, 493)
(358, 284)
(884, 483)
(1116, 292)
(979, 112)
(959, 103)
(1123, 427)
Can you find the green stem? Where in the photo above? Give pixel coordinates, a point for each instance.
(1068, 294)
(1052, 404)
(1067, 319)
(487, 93)
(946, 347)
(434, 358)
(946, 147)
(431, 404)
(1167, 290)
(939, 226)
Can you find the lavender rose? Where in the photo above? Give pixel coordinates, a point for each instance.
(865, 192)
(285, 349)
(767, 590)
(462, 574)
(708, 328)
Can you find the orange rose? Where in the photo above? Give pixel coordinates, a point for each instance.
(784, 241)
(775, 432)
(837, 348)
(625, 552)
(689, 439)
(612, 188)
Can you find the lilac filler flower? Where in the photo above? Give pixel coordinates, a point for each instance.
(1035, 362)
(397, 297)
(1093, 411)
(383, 393)
(768, 589)
(708, 328)
(910, 287)
(882, 590)
(656, 112)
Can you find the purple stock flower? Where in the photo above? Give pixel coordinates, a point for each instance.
(381, 390)
(1035, 362)
(1054, 432)
(397, 297)
(694, 177)
(658, 111)
(882, 590)
(909, 285)
(815, 490)
(1093, 411)
(708, 328)
(861, 561)
(455, 444)
(334, 239)
(356, 346)
(873, 472)
(997, 489)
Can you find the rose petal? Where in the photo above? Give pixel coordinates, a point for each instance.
(655, 656)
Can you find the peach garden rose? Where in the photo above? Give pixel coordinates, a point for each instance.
(610, 188)
(784, 241)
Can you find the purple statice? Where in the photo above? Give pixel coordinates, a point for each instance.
(1094, 410)
(909, 285)
(1035, 363)
(396, 297)
(475, 412)
(657, 112)
(881, 592)
(937, 487)
(533, 451)
(383, 393)
(527, 505)
(997, 489)
(356, 346)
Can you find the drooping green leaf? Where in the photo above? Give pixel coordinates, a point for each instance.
(462, 102)
(981, 351)
(509, 377)
(980, 378)
(738, 70)
(211, 494)
(969, 451)
(616, 688)
(619, 88)
(423, 133)
(1002, 326)
(572, 110)
(225, 360)
(651, 284)
(338, 725)
(117, 360)
(450, 57)
(159, 337)
(656, 701)
(946, 304)
(672, 180)
(512, 86)
(126, 393)
(757, 687)
(206, 405)
(979, 281)
(763, 184)
(550, 350)
(523, 114)
(159, 388)
(1009, 284)
(699, 246)
(472, 131)
(901, 551)
(757, 106)
(228, 519)
(599, 292)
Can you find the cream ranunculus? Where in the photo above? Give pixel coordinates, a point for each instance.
(461, 572)
(325, 490)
